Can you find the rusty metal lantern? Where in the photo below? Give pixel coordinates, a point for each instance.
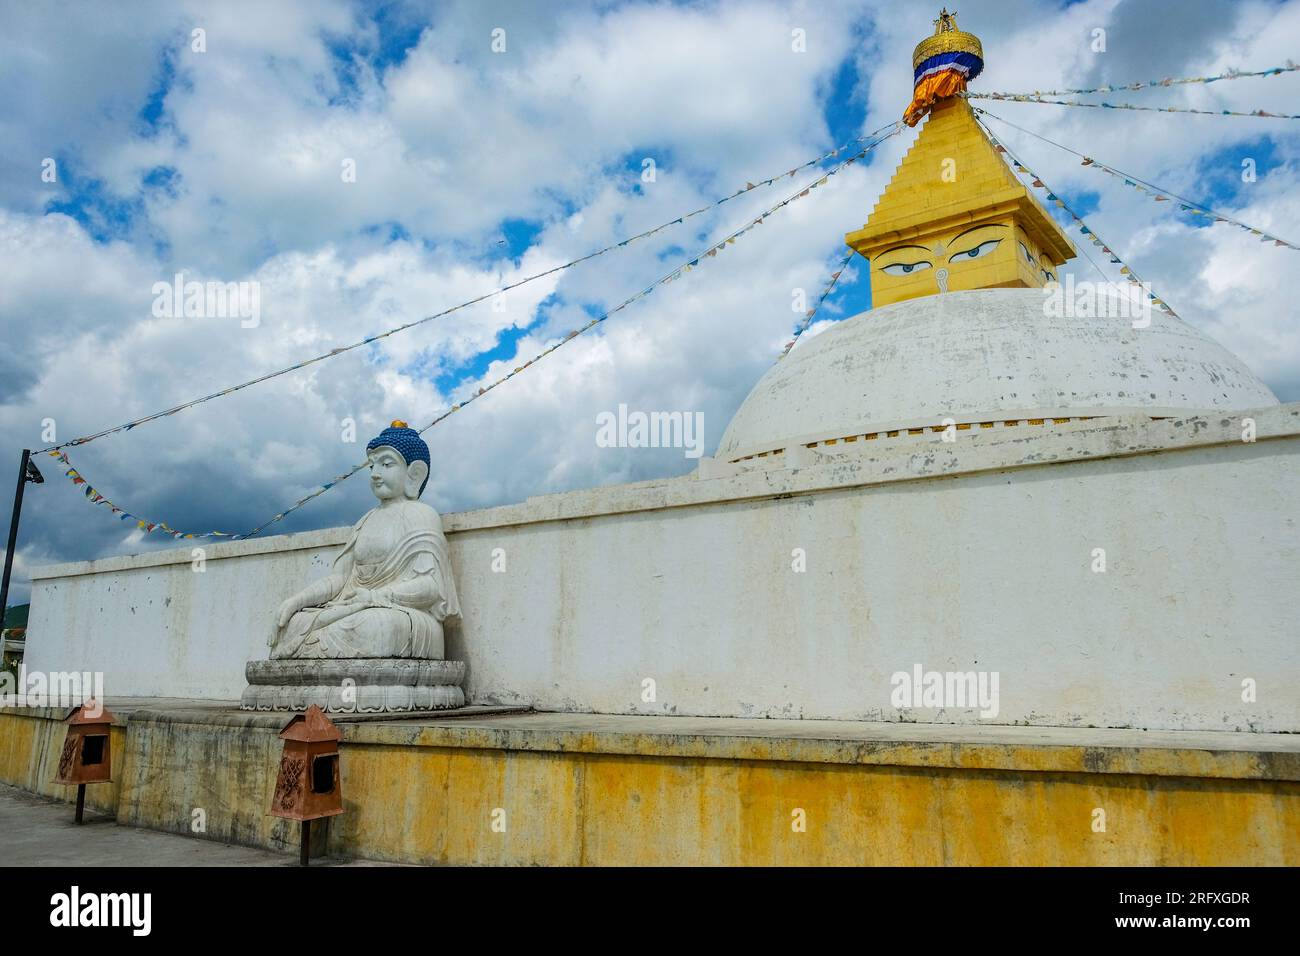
(87, 755)
(307, 787)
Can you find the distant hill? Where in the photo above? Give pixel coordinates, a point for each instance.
(16, 616)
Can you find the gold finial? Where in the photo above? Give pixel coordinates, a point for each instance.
(946, 22)
(398, 423)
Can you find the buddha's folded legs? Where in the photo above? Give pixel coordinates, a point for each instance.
(368, 632)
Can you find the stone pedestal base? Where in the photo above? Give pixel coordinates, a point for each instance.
(360, 686)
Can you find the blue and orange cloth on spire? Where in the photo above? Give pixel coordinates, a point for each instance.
(942, 65)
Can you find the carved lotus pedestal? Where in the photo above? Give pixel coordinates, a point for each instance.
(354, 686)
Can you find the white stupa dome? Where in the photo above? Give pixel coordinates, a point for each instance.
(984, 355)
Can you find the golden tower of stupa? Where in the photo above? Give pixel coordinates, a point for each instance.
(954, 216)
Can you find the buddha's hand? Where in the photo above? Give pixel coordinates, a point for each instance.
(374, 598)
(287, 610)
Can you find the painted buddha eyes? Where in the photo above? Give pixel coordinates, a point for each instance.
(911, 268)
(904, 268)
(983, 249)
(1047, 276)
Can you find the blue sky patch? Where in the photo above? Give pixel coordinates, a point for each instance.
(151, 113)
(104, 216)
(1219, 174)
(450, 378)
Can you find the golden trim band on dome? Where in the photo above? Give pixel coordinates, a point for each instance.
(954, 41)
(947, 39)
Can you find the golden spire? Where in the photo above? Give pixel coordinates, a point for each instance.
(954, 216)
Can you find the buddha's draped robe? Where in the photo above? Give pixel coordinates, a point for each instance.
(349, 627)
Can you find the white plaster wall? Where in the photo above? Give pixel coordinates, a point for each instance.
(974, 555)
(160, 628)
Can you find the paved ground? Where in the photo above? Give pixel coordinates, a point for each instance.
(35, 831)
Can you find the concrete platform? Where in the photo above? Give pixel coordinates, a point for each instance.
(546, 788)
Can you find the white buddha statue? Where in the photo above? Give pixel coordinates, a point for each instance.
(391, 588)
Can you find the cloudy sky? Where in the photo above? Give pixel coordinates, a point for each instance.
(475, 167)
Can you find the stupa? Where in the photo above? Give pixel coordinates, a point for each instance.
(968, 328)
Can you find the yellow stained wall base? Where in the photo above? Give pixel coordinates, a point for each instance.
(29, 757)
(408, 797)
(582, 809)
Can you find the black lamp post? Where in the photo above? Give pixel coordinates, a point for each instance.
(27, 471)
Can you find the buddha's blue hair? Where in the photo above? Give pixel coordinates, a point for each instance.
(408, 444)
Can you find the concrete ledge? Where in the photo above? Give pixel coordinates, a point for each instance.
(859, 464)
(120, 707)
(301, 541)
(1042, 750)
(1240, 756)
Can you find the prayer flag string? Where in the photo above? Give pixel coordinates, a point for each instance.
(1157, 193)
(673, 276)
(748, 187)
(144, 524)
(1167, 81)
(148, 526)
(806, 321)
(1037, 182)
(1024, 98)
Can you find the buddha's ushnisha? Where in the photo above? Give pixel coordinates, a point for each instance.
(391, 588)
